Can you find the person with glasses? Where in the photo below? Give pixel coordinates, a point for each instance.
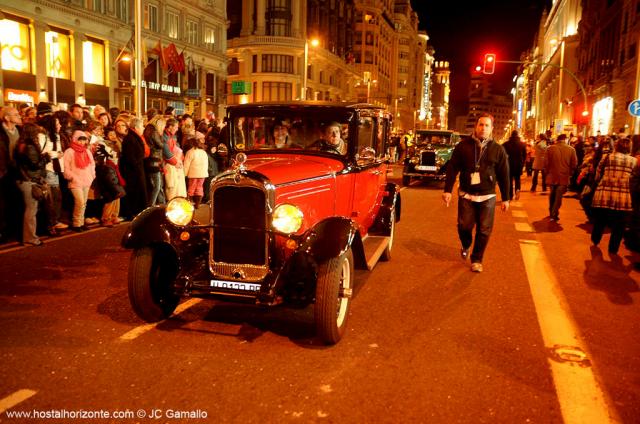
(79, 171)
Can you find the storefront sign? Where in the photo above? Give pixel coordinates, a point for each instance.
(240, 87)
(19, 96)
(161, 87)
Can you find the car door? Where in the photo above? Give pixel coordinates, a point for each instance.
(370, 171)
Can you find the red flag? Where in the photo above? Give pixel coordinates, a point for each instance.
(180, 63)
(160, 52)
(171, 56)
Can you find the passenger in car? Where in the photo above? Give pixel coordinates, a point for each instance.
(331, 140)
(281, 137)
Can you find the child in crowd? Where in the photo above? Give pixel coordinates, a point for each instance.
(79, 170)
(196, 168)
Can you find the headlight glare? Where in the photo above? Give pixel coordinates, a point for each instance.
(287, 218)
(179, 211)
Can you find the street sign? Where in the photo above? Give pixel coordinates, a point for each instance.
(634, 108)
(240, 87)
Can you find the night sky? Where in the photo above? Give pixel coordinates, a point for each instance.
(463, 32)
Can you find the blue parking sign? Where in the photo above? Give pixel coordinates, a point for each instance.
(634, 108)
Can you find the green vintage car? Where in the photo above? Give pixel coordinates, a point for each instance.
(428, 155)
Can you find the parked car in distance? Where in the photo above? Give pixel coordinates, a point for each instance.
(428, 156)
(304, 202)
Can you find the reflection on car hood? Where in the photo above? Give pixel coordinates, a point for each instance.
(288, 168)
(440, 150)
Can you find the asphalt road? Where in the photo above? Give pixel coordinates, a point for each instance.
(428, 340)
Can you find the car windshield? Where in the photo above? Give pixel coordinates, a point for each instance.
(291, 130)
(434, 139)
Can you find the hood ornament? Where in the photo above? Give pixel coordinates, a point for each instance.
(240, 160)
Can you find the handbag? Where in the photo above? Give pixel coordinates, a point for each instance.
(40, 190)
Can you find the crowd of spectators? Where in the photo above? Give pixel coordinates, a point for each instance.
(63, 170)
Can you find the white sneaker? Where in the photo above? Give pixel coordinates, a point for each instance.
(91, 220)
(60, 226)
(476, 267)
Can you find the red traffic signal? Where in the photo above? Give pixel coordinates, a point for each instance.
(489, 65)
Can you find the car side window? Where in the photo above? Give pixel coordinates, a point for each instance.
(366, 136)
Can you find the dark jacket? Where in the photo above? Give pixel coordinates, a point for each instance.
(153, 163)
(132, 169)
(492, 164)
(517, 152)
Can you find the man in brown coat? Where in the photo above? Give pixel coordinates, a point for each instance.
(560, 162)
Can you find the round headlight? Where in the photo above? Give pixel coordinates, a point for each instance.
(179, 211)
(287, 219)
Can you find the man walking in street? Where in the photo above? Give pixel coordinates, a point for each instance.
(560, 162)
(481, 163)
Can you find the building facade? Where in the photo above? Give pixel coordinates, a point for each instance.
(81, 52)
(291, 50)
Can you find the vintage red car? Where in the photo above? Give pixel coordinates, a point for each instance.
(304, 203)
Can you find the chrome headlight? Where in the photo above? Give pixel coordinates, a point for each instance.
(415, 159)
(287, 219)
(179, 211)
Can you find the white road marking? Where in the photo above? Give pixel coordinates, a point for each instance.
(581, 398)
(140, 330)
(15, 398)
(524, 227)
(519, 213)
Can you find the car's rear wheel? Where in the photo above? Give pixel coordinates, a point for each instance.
(150, 293)
(386, 254)
(333, 297)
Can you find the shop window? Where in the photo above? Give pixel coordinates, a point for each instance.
(276, 91)
(15, 46)
(93, 61)
(58, 55)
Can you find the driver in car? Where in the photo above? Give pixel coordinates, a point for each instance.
(331, 140)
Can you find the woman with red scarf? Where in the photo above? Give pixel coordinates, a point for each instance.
(80, 171)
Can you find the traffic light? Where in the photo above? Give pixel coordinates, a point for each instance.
(489, 65)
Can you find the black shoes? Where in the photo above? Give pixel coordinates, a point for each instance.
(79, 229)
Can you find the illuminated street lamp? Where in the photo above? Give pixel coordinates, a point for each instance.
(314, 43)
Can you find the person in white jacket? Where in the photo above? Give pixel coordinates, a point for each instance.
(196, 169)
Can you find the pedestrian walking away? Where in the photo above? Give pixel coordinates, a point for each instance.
(560, 162)
(481, 163)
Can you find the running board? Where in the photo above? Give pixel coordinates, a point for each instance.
(373, 248)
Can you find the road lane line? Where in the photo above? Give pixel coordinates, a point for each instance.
(523, 227)
(519, 213)
(140, 330)
(15, 398)
(581, 398)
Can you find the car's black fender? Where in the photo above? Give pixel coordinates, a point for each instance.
(149, 227)
(390, 203)
(329, 238)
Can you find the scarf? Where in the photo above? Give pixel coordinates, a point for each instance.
(81, 155)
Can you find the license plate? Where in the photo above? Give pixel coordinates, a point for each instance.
(426, 168)
(235, 285)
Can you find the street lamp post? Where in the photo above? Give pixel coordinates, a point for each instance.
(305, 73)
(53, 53)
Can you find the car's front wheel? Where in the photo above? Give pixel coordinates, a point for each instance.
(151, 272)
(333, 297)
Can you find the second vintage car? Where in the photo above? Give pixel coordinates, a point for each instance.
(429, 154)
(304, 203)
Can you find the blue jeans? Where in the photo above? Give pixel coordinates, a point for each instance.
(155, 178)
(555, 199)
(480, 215)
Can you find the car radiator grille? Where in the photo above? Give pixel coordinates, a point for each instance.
(239, 236)
(428, 158)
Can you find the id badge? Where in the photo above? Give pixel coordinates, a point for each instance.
(475, 178)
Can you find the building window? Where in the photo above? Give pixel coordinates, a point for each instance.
(57, 55)
(192, 79)
(279, 17)
(234, 67)
(151, 17)
(172, 25)
(97, 5)
(93, 61)
(277, 63)
(276, 91)
(122, 10)
(192, 32)
(16, 50)
(209, 38)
